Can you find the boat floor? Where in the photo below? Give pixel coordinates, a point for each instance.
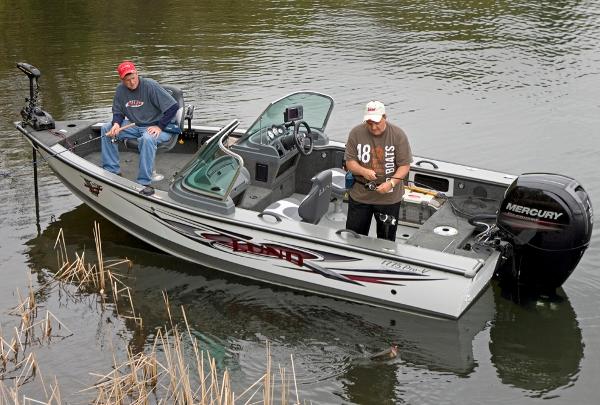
(432, 234)
(168, 164)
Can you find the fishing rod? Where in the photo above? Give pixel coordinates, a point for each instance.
(71, 147)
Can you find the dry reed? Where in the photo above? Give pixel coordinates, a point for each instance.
(17, 362)
(162, 375)
(96, 278)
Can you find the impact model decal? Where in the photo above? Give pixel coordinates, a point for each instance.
(404, 268)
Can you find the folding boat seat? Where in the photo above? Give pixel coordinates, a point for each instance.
(177, 124)
(338, 191)
(312, 207)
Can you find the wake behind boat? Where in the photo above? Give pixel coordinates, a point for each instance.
(268, 203)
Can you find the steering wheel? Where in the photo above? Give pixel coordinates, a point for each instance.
(301, 137)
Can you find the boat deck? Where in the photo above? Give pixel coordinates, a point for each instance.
(443, 231)
(173, 162)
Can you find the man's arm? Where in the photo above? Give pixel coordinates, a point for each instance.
(117, 119)
(168, 116)
(359, 170)
(393, 181)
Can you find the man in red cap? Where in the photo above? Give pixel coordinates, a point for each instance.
(143, 102)
(378, 155)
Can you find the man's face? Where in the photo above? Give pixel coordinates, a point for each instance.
(131, 81)
(376, 128)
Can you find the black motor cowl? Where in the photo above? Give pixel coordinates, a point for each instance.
(548, 220)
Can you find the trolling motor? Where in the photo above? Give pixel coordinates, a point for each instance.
(32, 113)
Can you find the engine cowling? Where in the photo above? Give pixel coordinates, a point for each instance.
(548, 219)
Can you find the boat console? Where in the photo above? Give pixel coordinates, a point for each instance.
(272, 146)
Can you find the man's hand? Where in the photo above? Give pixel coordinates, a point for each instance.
(369, 174)
(385, 187)
(154, 131)
(114, 131)
(358, 170)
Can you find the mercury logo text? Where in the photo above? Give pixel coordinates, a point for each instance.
(533, 212)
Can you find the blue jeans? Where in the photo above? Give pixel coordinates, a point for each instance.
(360, 215)
(146, 146)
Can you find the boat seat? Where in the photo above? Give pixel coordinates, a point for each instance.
(338, 192)
(178, 122)
(312, 207)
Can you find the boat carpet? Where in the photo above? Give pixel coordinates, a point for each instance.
(166, 164)
(443, 231)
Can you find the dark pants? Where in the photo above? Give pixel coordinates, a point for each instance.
(360, 215)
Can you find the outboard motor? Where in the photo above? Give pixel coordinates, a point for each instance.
(548, 220)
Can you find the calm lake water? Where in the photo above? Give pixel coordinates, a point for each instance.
(506, 85)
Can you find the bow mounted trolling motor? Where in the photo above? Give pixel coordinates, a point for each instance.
(548, 219)
(32, 113)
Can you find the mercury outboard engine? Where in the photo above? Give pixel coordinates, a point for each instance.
(548, 220)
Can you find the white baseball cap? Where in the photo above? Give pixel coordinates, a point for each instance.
(374, 111)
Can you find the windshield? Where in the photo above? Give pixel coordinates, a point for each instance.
(215, 168)
(316, 108)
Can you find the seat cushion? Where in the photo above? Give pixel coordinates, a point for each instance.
(338, 182)
(286, 208)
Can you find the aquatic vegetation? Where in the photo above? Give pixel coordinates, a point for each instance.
(169, 374)
(165, 373)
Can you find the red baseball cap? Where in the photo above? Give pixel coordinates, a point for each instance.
(125, 68)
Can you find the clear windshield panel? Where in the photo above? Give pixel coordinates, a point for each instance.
(317, 108)
(214, 169)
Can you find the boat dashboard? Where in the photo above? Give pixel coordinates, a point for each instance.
(288, 128)
(275, 139)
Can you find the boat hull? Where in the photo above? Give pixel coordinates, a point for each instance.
(249, 246)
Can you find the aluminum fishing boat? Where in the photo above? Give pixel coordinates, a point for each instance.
(269, 203)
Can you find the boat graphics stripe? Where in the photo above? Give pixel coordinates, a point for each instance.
(250, 247)
(301, 258)
(322, 255)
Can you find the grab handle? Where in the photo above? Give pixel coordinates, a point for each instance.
(350, 231)
(272, 214)
(427, 161)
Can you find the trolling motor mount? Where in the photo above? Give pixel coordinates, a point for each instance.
(32, 113)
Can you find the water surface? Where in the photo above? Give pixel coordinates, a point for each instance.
(506, 85)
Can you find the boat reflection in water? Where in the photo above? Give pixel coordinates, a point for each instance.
(534, 346)
(536, 343)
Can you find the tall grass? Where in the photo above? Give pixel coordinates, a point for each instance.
(168, 374)
(173, 370)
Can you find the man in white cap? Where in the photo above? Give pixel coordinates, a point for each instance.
(378, 155)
